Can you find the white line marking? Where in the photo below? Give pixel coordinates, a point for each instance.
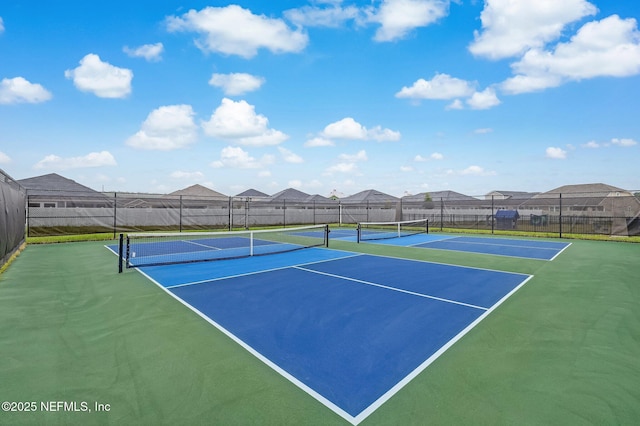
(558, 254)
(387, 395)
(261, 357)
(200, 244)
(260, 272)
(426, 296)
(402, 383)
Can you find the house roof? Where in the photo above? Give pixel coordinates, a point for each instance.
(592, 188)
(369, 195)
(252, 193)
(290, 194)
(54, 184)
(514, 195)
(439, 195)
(199, 191)
(317, 197)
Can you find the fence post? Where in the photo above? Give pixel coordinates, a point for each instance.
(284, 213)
(28, 221)
(441, 213)
(230, 215)
(560, 215)
(115, 214)
(492, 215)
(180, 216)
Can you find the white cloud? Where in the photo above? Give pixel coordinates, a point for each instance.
(190, 176)
(236, 83)
(509, 28)
(150, 52)
(93, 159)
(232, 30)
(476, 171)
(484, 100)
(289, 156)
(348, 128)
(624, 142)
(399, 17)
(19, 90)
(610, 47)
(348, 163)
(441, 86)
(343, 168)
(101, 78)
(239, 122)
(435, 156)
(406, 169)
(483, 131)
(4, 158)
(334, 15)
(591, 144)
(1, 25)
(319, 141)
(166, 128)
(456, 104)
(237, 158)
(556, 153)
(359, 156)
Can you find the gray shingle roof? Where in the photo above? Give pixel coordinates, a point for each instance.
(199, 191)
(54, 184)
(371, 195)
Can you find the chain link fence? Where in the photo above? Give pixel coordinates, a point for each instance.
(604, 213)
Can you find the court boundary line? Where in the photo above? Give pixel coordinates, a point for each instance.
(408, 378)
(426, 296)
(354, 420)
(475, 252)
(491, 244)
(324, 401)
(259, 272)
(558, 254)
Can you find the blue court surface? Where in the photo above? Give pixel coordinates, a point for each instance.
(528, 249)
(349, 329)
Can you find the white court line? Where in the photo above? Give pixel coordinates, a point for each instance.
(260, 271)
(200, 244)
(558, 254)
(426, 296)
(496, 244)
(327, 403)
(402, 383)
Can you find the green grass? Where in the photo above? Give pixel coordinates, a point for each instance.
(562, 350)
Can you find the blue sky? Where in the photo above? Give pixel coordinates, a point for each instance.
(402, 96)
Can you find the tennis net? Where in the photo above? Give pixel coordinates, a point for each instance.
(384, 230)
(146, 249)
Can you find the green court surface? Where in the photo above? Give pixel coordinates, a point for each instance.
(564, 349)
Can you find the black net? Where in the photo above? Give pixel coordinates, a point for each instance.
(145, 249)
(385, 230)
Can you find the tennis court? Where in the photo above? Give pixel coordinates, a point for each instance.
(526, 249)
(561, 349)
(350, 329)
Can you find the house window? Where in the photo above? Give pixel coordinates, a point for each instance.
(49, 205)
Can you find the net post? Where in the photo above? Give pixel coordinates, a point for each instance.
(326, 235)
(120, 253)
(427, 226)
(358, 232)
